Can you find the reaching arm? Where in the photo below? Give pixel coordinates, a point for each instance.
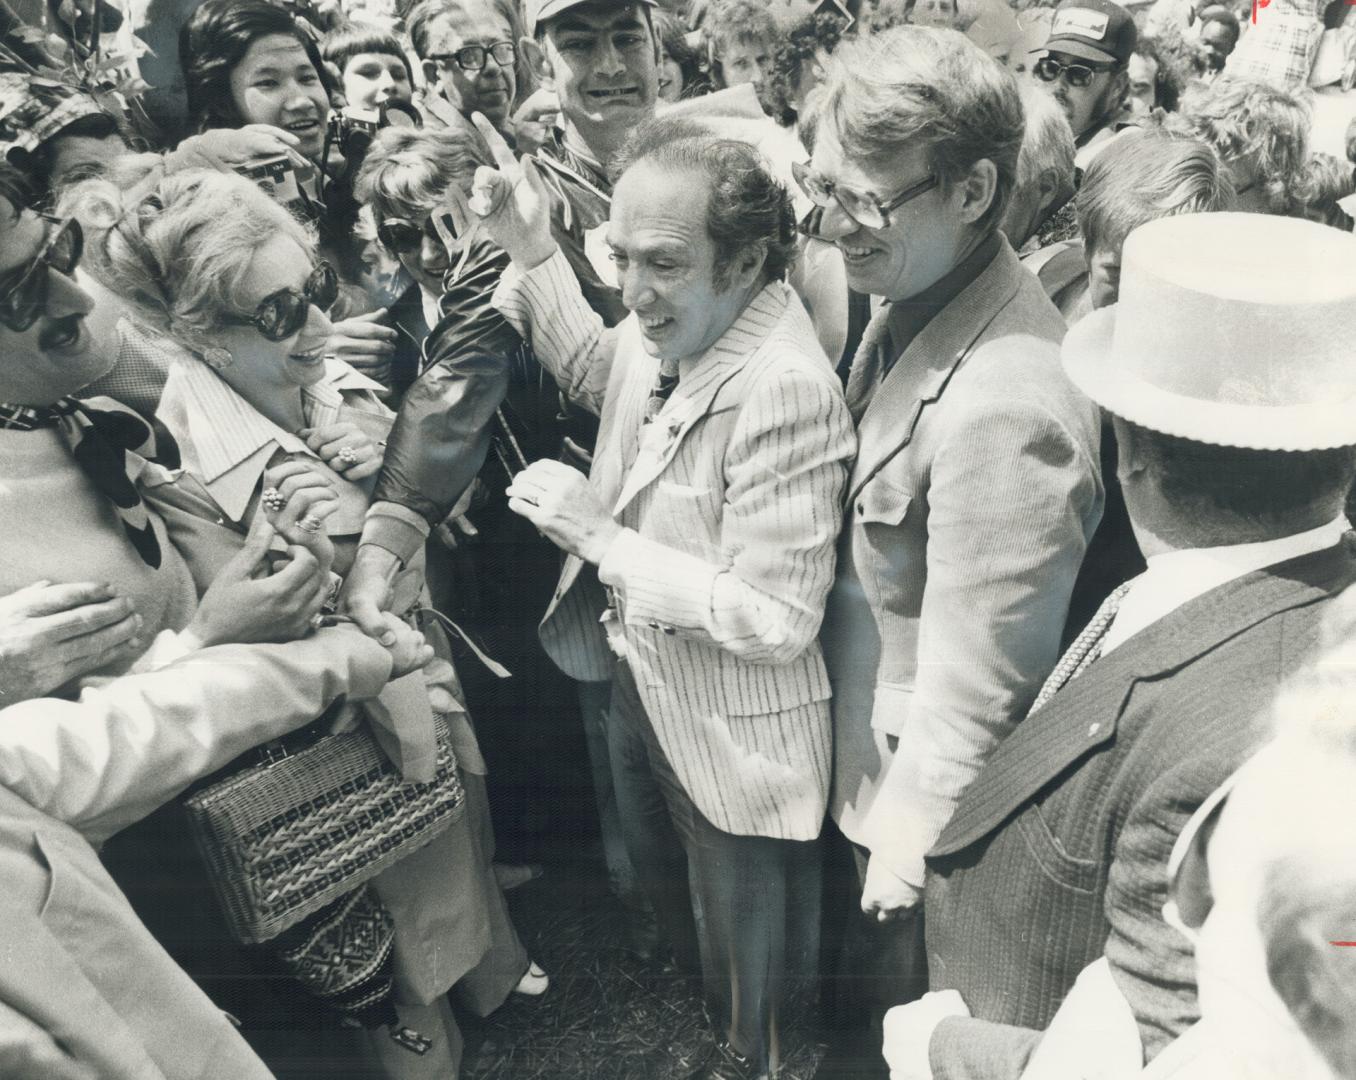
(121, 750)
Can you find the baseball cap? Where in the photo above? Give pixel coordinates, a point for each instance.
(1096, 30)
(539, 11)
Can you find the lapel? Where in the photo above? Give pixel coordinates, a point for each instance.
(921, 373)
(657, 443)
(1083, 715)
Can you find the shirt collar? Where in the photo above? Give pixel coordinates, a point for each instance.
(226, 442)
(1176, 577)
(909, 317)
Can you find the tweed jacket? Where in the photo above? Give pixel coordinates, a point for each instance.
(1059, 849)
(974, 495)
(77, 967)
(732, 500)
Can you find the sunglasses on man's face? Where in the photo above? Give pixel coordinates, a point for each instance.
(281, 314)
(1048, 69)
(400, 237)
(472, 58)
(24, 290)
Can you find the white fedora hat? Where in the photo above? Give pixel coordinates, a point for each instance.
(1233, 329)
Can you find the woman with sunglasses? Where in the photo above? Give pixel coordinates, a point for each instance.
(232, 282)
(250, 62)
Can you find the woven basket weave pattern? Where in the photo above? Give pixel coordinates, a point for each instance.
(282, 840)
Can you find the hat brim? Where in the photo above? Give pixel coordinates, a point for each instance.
(1079, 48)
(552, 8)
(1088, 361)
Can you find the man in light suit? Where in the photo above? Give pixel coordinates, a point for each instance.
(1235, 471)
(703, 538)
(976, 487)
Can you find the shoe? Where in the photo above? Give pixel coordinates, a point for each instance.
(534, 981)
(727, 1063)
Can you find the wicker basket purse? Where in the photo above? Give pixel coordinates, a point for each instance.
(284, 837)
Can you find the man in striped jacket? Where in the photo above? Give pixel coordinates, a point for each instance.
(701, 547)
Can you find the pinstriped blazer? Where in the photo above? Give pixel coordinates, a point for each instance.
(1059, 849)
(731, 501)
(971, 503)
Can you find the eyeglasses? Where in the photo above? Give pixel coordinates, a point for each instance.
(1048, 69)
(861, 206)
(472, 58)
(400, 237)
(281, 314)
(24, 292)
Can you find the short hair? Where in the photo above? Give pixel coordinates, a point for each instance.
(1048, 142)
(1269, 488)
(178, 250)
(1173, 69)
(748, 207)
(1145, 175)
(1220, 14)
(740, 22)
(1270, 126)
(214, 41)
(424, 14)
(342, 45)
(407, 170)
(919, 86)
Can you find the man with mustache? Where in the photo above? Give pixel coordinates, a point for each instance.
(1084, 65)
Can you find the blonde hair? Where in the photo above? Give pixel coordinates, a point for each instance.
(177, 247)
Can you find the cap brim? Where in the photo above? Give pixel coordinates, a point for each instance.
(1088, 361)
(552, 8)
(1078, 47)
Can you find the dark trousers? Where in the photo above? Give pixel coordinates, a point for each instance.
(871, 966)
(747, 906)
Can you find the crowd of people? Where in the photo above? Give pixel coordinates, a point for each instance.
(906, 448)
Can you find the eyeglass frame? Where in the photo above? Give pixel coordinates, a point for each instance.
(307, 295)
(486, 51)
(42, 265)
(1091, 67)
(801, 173)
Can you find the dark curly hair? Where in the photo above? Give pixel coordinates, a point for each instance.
(748, 206)
(807, 35)
(215, 39)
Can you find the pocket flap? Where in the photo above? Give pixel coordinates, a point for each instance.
(882, 503)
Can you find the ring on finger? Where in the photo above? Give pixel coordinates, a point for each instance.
(348, 455)
(318, 620)
(273, 499)
(310, 523)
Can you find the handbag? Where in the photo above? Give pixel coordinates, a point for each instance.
(285, 836)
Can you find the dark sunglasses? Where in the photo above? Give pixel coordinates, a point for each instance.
(472, 58)
(400, 237)
(861, 206)
(24, 291)
(1048, 69)
(283, 313)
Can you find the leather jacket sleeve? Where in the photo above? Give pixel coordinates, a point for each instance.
(442, 432)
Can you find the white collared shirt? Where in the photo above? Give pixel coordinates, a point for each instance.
(1177, 577)
(227, 443)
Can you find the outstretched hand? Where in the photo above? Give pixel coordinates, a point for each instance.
(512, 201)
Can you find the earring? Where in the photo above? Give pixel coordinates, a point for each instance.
(215, 357)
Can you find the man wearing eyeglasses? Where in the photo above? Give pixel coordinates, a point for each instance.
(468, 55)
(1084, 65)
(976, 485)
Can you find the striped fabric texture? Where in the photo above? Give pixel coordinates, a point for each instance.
(731, 501)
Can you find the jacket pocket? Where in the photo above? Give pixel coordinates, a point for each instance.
(882, 502)
(1051, 856)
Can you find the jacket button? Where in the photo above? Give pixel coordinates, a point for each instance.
(653, 625)
(861, 509)
(670, 630)
(1093, 729)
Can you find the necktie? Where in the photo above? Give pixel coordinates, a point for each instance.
(100, 441)
(1086, 648)
(663, 388)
